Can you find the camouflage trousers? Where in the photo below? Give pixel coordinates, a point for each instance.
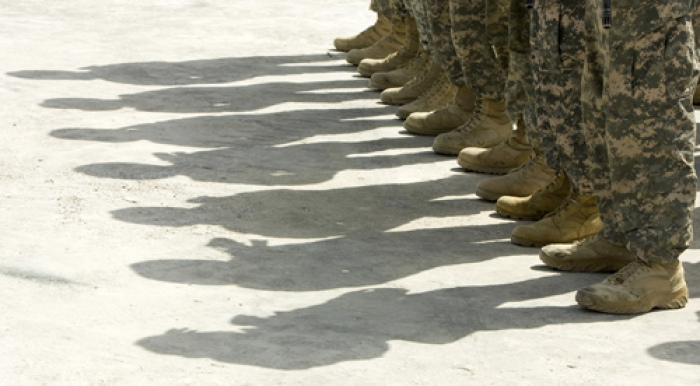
(417, 10)
(558, 55)
(639, 124)
(391, 9)
(398, 9)
(441, 45)
(479, 31)
(519, 91)
(464, 35)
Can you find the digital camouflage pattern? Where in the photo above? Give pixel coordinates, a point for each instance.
(639, 123)
(519, 85)
(558, 55)
(480, 35)
(443, 48)
(386, 8)
(417, 10)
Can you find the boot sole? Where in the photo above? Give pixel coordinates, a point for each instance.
(383, 86)
(674, 300)
(368, 72)
(398, 102)
(591, 266)
(527, 243)
(485, 194)
(483, 169)
(424, 131)
(364, 73)
(403, 114)
(519, 216)
(448, 151)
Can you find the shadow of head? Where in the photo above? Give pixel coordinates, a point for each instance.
(687, 352)
(297, 213)
(359, 325)
(343, 262)
(208, 71)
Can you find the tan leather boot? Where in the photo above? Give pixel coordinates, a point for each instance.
(538, 204)
(366, 38)
(445, 119)
(592, 254)
(403, 56)
(574, 220)
(403, 74)
(488, 126)
(521, 182)
(639, 287)
(390, 43)
(440, 94)
(415, 87)
(499, 159)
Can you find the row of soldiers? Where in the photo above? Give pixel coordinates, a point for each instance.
(582, 108)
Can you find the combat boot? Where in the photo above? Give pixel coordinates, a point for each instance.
(575, 219)
(638, 287)
(415, 87)
(439, 95)
(390, 43)
(402, 57)
(537, 205)
(521, 182)
(592, 254)
(366, 38)
(488, 126)
(500, 159)
(443, 120)
(402, 75)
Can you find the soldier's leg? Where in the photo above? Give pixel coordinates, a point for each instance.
(392, 42)
(404, 73)
(477, 28)
(558, 57)
(402, 57)
(535, 174)
(458, 111)
(449, 88)
(369, 36)
(508, 156)
(639, 83)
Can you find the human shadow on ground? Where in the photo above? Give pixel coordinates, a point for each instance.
(359, 325)
(247, 130)
(191, 72)
(298, 165)
(343, 262)
(221, 99)
(686, 351)
(262, 149)
(371, 235)
(304, 214)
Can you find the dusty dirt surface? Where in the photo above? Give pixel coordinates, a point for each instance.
(201, 192)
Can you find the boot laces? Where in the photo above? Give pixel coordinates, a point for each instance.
(629, 272)
(527, 164)
(436, 90)
(587, 240)
(473, 121)
(415, 62)
(384, 40)
(369, 30)
(565, 207)
(552, 186)
(421, 76)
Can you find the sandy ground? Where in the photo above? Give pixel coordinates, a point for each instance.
(200, 192)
